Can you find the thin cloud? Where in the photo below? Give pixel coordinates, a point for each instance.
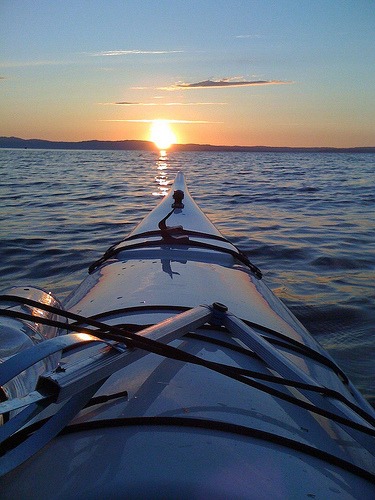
(128, 103)
(224, 83)
(151, 121)
(112, 53)
(248, 36)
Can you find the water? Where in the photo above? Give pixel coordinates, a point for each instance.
(306, 219)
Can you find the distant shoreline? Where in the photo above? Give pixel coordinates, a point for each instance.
(129, 145)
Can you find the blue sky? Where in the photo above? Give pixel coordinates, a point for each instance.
(282, 73)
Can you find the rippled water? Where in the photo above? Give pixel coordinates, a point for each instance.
(306, 219)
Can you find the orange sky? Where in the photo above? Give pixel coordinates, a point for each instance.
(254, 73)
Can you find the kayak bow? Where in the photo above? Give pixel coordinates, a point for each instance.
(180, 374)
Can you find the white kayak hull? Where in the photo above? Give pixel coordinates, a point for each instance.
(180, 430)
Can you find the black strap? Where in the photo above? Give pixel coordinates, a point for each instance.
(199, 423)
(162, 224)
(171, 242)
(282, 340)
(220, 426)
(115, 333)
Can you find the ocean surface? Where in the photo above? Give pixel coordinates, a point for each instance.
(307, 220)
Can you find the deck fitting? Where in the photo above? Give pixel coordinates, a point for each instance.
(178, 196)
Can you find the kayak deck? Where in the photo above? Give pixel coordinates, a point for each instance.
(234, 398)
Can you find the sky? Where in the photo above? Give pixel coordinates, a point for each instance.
(296, 73)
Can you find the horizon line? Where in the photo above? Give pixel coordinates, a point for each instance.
(177, 146)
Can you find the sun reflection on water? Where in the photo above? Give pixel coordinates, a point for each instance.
(162, 178)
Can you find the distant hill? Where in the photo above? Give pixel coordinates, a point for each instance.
(17, 143)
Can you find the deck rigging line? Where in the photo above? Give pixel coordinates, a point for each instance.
(117, 334)
(172, 237)
(19, 442)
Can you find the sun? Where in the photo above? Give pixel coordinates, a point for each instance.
(162, 134)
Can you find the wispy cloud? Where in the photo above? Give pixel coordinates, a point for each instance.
(248, 36)
(151, 121)
(128, 103)
(111, 53)
(224, 83)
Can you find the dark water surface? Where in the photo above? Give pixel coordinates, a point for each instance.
(306, 219)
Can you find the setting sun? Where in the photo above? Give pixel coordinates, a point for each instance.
(162, 134)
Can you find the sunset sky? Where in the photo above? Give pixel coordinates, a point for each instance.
(276, 73)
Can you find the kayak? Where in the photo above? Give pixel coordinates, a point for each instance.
(173, 371)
